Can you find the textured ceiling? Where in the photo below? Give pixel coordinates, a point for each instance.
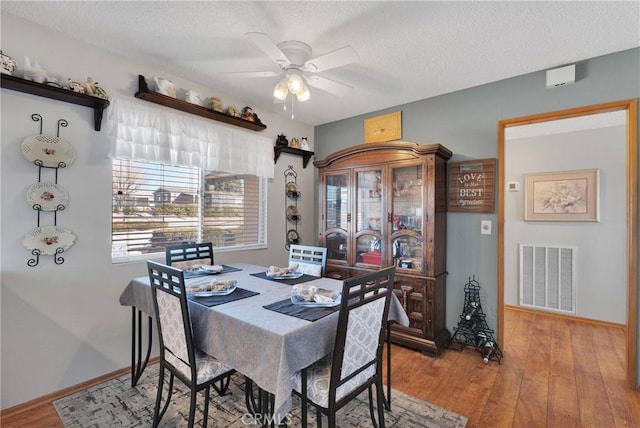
(408, 50)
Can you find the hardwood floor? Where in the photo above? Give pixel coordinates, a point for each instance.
(555, 373)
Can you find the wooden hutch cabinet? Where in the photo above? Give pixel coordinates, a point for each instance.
(384, 204)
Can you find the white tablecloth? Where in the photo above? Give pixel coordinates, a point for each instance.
(264, 345)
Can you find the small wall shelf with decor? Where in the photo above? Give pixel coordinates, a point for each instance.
(306, 154)
(21, 85)
(144, 93)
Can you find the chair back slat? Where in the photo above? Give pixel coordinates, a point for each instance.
(185, 256)
(311, 260)
(172, 317)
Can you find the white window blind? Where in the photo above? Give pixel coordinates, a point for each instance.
(156, 205)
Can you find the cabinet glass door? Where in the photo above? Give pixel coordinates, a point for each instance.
(369, 221)
(407, 222)
(336, 216)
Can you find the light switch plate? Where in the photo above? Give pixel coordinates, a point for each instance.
(485, 227)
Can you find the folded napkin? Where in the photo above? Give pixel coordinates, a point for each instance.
(214, 268)
(310, 293)
(214, 285)
(276, 270)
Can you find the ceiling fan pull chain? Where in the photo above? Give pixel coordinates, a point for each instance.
(292, 107)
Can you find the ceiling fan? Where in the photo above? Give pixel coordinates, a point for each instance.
(294, 59)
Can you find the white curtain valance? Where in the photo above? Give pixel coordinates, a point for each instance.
(139, 131)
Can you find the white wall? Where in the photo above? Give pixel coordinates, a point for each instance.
(62, 324)
(601, 260)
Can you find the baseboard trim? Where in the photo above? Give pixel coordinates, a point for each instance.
(50, 398)
(566, 317)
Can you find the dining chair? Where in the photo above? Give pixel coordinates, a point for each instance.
(178, 355)
(186, 255)
(355, 365)
(311, 260)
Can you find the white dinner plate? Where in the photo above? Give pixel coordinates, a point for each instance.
(51, 151)
(292, 275)
(48, 239)
(299, 301)
(213, 293)
(48, 196)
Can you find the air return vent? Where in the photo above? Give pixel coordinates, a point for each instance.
(547, 277)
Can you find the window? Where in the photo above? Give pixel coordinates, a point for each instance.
(156, 205)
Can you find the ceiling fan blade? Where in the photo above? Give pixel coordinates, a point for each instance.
(253, 73)
(328, 85)
(269, 47)
(338, 58)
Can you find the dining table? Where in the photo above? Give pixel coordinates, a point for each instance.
(257, 329)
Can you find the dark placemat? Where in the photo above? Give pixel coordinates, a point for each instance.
(225, 269)
(239, 293)
(292, 281)
(302, 312)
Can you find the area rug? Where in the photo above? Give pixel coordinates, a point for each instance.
(116, 404)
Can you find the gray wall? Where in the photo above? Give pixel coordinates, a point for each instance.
(466, 122)
(601, 285)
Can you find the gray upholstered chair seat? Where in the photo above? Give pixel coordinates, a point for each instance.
(318, 380)
(207, 367)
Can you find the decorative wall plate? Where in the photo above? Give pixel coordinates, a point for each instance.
(293, 237)
(48, 239)
(293, 191)
(48, 151)
(48, 196)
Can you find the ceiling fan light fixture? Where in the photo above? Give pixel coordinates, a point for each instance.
(295, 83)
(281, 90)
(304, 94)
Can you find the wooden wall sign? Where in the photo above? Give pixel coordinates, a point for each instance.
(472, 185)
(387, 127)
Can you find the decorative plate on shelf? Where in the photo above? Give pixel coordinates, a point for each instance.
(48, 151)
(48, 196)
(48, 239)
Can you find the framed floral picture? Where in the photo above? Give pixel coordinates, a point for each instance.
(562, 196)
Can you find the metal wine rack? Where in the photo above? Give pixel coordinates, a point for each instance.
(472, 329)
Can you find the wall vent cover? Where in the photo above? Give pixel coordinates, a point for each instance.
(548, 277)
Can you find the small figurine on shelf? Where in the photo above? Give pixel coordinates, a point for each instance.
(215, 104)
(89, 86)
(304, 144)
(233, 111)
(8, 64)
(293, 142)
(34, 72)
(99, 92)
(282, 140)
(75, 86)
(52, 81)
(247, 114)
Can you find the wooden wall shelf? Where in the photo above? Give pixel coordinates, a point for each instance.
(21, 85)
(145, 94)
(306, 155)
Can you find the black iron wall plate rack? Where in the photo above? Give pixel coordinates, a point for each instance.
(58, 259)
(292, 192)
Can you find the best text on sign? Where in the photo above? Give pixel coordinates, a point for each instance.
(471, 185)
